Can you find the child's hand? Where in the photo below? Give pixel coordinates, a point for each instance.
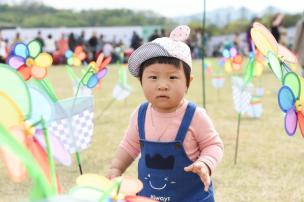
(202, 170)
(113, 173)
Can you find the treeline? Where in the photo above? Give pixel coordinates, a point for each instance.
(241, 25)
(38, 15)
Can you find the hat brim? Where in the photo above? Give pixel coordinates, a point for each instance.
(143, 53)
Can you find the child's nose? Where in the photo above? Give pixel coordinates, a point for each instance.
(162, 86)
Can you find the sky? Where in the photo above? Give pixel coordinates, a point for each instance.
(170, 8)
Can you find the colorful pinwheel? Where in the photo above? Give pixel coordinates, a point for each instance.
(11, 146)
(290, 96)
(75, 58)
(233, 60)
(98, 188)
(12, 117)
(277, 55)
(29, 60)
(290, 99)
(95, 71)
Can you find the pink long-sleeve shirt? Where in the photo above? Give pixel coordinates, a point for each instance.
(201, 141)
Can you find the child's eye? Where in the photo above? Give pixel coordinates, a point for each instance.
(173, 77)
(152, 77)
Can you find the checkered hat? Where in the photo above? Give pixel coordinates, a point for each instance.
(173, 46)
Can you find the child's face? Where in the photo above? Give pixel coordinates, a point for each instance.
(164, 86)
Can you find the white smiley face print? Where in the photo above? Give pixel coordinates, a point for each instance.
(158, 184)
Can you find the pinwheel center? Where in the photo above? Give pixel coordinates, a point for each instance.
(93, 67)
(299, 106)
(30, 62)
(29, 129)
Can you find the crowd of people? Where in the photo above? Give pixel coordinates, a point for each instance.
(120, 52)
(92, 45)
(58, 47)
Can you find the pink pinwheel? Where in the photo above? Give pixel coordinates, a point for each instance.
(97, 70)
(29, 60)
(290, 102)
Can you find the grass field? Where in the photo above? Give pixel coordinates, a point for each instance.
(269, 168)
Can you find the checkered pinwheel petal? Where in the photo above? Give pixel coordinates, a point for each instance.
(74, 128)
(241, 94)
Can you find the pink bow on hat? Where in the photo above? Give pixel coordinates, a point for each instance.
(180, 33)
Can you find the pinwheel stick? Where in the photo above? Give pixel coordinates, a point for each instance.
(73, 105)
(49, 152)
(106, 108)
(115, 185)
(237, 138)
(203, 53)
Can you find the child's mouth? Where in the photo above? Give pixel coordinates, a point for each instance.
(162, 97)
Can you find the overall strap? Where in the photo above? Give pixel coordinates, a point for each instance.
(182, 131)
(141, 119)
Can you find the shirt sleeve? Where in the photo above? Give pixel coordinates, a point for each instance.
(130, 141)
(210, 144)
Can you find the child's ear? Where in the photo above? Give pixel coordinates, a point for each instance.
(191, 78)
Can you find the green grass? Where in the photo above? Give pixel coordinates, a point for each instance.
(269, 167)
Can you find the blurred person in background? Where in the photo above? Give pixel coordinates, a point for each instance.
(72, 41)
(61, 47)
(93, 45)
(50, 46)
(275, 26)
(3, 49)
(155, 35)
(250, 44)
(101, 43)
(163, 32)
(136, 41)
(40, 39)
(298, 45)
(17, 38)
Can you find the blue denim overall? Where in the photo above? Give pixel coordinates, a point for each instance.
(161, 166)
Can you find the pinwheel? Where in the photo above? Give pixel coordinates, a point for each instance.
(207, 67)
(217, 76)
(122, 89)
(218, 81)
(233, 60)
(242, 94)
(29, 60)
(276, 54)
(255, 108)
(25, 161)
(99, 188)
(290, 99)
(95, 71)
(46, 110)
(13, 117)
(254, 68)
(73, 123)
(75, 58)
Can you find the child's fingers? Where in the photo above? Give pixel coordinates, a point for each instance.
(206, 180)
(201, 171)
(188, 168)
